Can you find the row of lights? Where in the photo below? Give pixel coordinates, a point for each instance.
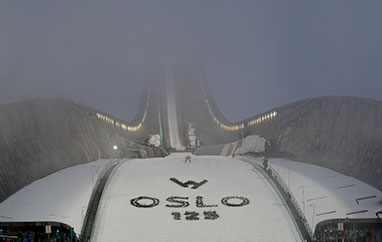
(262, 118)
(227, 127)
(221, 125)
(123, 125)
(257, 121)
(118, 124)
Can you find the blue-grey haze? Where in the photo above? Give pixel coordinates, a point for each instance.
(255, 54)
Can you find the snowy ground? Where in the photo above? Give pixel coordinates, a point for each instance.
(265, 218)
(328, 194)
(61, 197)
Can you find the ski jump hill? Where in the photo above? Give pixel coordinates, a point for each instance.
(39, 137)
(42, 136)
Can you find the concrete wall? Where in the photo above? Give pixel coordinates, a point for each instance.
(340, 133)
(41, 136)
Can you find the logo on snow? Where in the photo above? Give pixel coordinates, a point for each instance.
(183, 202)
(195, 185)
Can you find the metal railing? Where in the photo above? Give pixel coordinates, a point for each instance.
(287, 194)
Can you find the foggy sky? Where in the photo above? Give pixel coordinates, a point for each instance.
(255, 54)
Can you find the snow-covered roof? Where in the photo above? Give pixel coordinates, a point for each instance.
(327, 194)
(64, 195)
(60, 197)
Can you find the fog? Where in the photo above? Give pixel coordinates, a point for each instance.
(255, 55)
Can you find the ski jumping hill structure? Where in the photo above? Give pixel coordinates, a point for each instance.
(43, 138)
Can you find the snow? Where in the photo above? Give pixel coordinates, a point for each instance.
(60, 197)
(265, 218)
(326, 191)
(191, 134)
(251, 143)
(154, 140)
(63, 197)
(171, 114)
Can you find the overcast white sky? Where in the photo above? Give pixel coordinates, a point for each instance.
(256, 54)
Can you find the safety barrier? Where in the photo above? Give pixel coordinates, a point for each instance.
(209, 150)
(105, 172)
(151, 152)
(287, 194)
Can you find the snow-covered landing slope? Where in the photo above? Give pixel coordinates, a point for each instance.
(328, 194)
(61, 197)
(265, 218)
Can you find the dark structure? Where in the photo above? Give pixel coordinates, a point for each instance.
(338, 132)
(341, 133)
(41, 136)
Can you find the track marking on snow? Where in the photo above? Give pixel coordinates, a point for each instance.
(364, 198)
(347, 186)
(330, 212)
(327, 177)
(340, 191)
(307, 186)
(61, 216)
(315, 198)
(361, 211)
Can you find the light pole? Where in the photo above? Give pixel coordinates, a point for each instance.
(313, 214)
(115, 148)
(303, 199)
(288, 178)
